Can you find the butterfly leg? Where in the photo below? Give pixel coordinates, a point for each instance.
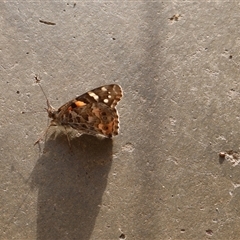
(69, 143)
(42, 136)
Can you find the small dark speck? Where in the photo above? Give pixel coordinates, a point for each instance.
(222, 154)
(182, 230)
(209, 232)
(27, 52)
(113, 38)
(64, 10)
(17, 92)
(74, 5)
(230, 57)
(122, 236)
(175, 17)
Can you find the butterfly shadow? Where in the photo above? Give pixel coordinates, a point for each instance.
(70, 185)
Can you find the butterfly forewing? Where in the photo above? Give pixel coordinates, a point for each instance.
(108, 94)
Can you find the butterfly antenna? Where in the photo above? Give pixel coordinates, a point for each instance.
(38, 82)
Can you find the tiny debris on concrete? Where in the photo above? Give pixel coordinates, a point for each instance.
(46, 22)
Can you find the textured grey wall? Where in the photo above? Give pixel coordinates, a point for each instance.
(161, 178)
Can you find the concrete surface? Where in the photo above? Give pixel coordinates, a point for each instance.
(162, 177)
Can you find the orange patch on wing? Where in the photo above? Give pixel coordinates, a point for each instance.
(80, 103)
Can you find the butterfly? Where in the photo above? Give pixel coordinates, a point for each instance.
(93, 112)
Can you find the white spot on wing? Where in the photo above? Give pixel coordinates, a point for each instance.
(105, 100)
(95, 96)
(104, 89)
